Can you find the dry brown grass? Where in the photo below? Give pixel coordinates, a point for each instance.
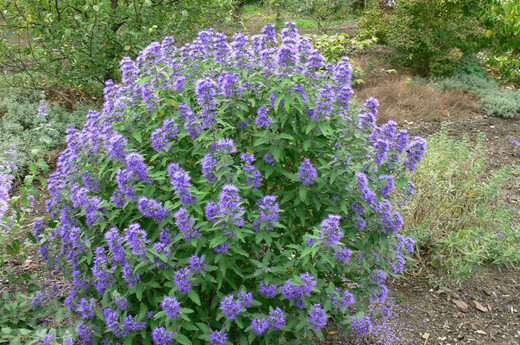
(412, 103)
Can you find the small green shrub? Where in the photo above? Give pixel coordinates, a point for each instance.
(21, 126)
(507, 64)
(454, 216)
(497, 101)
(377, 23)
(227, 193)
(335, 47)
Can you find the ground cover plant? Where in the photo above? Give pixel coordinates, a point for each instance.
(29, 121)
(227, 194)
(497, 100)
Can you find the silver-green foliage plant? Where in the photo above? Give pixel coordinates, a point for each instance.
(497, 101)
(26, 119)
(454, 215)
(226, 194)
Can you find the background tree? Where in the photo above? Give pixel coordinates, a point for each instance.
(80, 42)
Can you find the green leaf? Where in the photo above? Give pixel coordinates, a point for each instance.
(287, 102)
(33, 168)
(194, 297)
(28, 180)
(303, 192)
(59, 316)
(181, 338)
(277, 101)
(137, 136)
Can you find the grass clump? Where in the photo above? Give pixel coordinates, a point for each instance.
(454, 215)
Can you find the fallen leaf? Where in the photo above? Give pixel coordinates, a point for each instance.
(481, 332)
(480, 307)
(460, 304)
(27, 263)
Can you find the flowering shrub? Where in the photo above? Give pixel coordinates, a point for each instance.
(227, 194)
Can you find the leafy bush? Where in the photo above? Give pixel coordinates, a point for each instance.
(335, 47)
(428, 35)
(227, 191)
(497, 101)
(506, 64)
(378, 23)
(454, 215)
(80, 43)
(501, 20)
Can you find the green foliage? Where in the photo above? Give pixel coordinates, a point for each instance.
(20, 319)
(454, 215)
(378, 23)
(501, 18)
(430, 36)
(80, 42)
(507, 64)
(497, 101)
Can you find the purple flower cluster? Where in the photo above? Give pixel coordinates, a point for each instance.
(233, 306)
(161, 136)
(208, 163)
(276, 319)
(135, 162)
(171, 307)
(268, 290)
(42, 110)
(185, 224)
(161, 336)
(269, 213)
(297, 292)
(307, 172)
(228, 207)
(331, 234)
(218, 338)
(415, 150)
(342, 299)
(317, 317)
(263, 119)
(344, 254)
(5, 186)
(255, 178)
(152, 208)
(181, 183)
(182, 280)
